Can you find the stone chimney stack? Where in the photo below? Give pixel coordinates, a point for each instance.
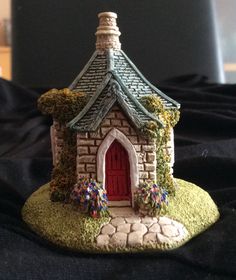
(107, 32)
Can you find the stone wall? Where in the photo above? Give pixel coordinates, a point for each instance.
(56, 132)
(88, 144)
(171, 150)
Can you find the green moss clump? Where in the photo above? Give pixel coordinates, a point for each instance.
(151, 129)
(152, 103)
(169, 118)
(63, 104)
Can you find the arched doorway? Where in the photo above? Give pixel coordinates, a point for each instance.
(117, 135)
(117, 170)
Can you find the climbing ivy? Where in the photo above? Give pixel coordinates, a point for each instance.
(162, 135)
(63, 105)
(63, 176)
(151, 129)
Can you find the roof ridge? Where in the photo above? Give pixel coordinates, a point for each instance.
(110, 60)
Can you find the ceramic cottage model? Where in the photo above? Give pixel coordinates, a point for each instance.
(112, 145)
(113, 153)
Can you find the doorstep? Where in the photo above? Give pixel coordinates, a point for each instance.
(119, 203)
(121, 212)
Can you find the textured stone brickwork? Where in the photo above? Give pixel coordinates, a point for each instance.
(107, 32)
(57, 131)
(89, 142)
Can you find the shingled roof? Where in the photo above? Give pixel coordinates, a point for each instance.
(110, 77)
(116, 61)
(92, 75)
(98, 76)
(111, 91)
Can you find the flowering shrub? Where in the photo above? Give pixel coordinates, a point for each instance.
(150, 199)
(90, 197)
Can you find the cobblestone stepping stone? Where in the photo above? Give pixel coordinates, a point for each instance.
(139, 227)
(135, 238)
(103, 240)
(124, 228)
(108, 229)
(133, 220)
(155, 228)
(150, 238)
(117, 221)
(131, 231)
(162, 238)
(148, 220)
(170, 230)
(119, 239)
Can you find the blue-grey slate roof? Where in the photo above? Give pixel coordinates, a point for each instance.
(111, 77)
(113, 91)
(92, 75)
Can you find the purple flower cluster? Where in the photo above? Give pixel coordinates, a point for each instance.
(90, 197)
(151, 197)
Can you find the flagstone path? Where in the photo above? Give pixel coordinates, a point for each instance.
(125, 229)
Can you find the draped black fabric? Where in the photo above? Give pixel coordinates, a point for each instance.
(205, 140)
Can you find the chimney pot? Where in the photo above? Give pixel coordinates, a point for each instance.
(107, 32)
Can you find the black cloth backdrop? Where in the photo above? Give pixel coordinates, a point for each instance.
(205, 140)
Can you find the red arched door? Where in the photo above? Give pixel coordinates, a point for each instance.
(117, 173)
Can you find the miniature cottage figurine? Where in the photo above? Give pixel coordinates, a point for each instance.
(113, 143)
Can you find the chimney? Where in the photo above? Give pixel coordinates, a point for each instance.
(107, 32)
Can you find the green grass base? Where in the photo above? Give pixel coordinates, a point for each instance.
(63, 226)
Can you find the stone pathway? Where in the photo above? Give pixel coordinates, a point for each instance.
(125, 229)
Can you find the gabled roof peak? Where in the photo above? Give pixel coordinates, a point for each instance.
(111, 91)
